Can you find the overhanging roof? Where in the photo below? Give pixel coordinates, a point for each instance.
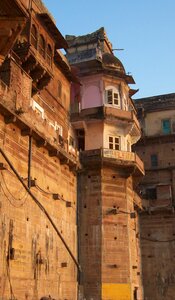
(129, 79)
(11, 8)
(51, 27)
(132, 92)
(62, 62)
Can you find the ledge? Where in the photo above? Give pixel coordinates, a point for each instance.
(41, 141)
(128, 161)
(108, 113)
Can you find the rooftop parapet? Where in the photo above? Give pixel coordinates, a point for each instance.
(156, 103)
(88, 39)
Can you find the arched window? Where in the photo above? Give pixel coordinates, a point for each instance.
(49, 54)
(59, 89)
(34, 36)
(112, 96)
(42, 46)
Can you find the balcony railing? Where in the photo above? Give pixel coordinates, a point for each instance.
(15, 92)
(7, 97)
(124, 156)
(118, 157)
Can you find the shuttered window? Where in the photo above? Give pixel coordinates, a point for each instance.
(112, 97)
(154, 160)
(34, 36)
(114, 142)
(166, 126)
(42, 46)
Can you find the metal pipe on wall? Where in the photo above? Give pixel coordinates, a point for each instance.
(29, 161)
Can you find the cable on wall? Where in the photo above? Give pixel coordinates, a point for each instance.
(42, 208)
(7, 188)
(155, 240)
(10, 201)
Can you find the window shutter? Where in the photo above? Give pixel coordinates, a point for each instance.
(166, 126)
(109, 96)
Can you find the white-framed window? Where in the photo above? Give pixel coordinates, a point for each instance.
(57, 128)
(114, 142)
(38, 108)
(112, 96)
(72, 145)
(128, 146)
(71, 141)
(125, 102)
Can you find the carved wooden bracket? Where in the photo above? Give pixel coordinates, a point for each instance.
(10, 28)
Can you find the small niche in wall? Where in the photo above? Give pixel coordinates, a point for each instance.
(64, 265)
(56, 196)
(33, 182)
(3, 166)
(68, 204)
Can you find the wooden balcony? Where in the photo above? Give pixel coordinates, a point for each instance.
(35, 65)
(128, 161)
(10, 28)
(12, 22)
(125, 115)
(128, 119)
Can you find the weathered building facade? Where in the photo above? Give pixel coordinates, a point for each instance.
(104, 118)
(58, 133)
(38, 240)
(156, 148)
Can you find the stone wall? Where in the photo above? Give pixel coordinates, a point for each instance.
(34, 261)
(158, 248)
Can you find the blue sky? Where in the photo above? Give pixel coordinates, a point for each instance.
(144, 28)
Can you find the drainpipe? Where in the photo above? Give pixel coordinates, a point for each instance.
(29, 161)
(78, 233)
(173, 186)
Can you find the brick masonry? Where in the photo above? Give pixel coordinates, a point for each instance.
(110, 249)
(36, 252)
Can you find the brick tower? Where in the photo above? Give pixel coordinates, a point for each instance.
(104, 117)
